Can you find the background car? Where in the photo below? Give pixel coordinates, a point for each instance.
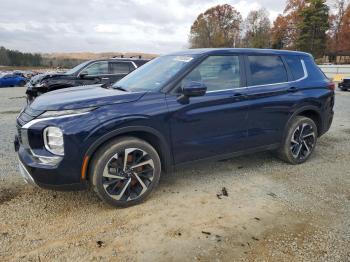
(12, 80)
(102, 71)
(345, 84)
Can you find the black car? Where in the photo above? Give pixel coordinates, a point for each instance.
(103, 71)
(345, 85)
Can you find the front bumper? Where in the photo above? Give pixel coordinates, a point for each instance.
(25, 174)
(48, 177)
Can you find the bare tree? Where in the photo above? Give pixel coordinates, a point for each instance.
(257, 29)
(336, 21)
(219, 26)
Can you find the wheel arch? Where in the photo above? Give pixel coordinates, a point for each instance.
(150, 135)
(311, 112)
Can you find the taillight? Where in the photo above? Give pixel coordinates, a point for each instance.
(331, 86)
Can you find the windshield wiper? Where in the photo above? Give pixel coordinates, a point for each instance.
(120, 88)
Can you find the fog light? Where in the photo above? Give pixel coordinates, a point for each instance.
(53, 140)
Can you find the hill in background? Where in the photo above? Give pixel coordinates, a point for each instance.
(90, 55)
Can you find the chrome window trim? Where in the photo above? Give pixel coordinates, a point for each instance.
(306, 75)
(134, 64)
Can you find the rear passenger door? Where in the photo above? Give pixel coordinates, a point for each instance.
(272, 95)
(119, 69)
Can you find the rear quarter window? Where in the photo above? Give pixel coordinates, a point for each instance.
(266, 70)
(295, 66)
(314, 72)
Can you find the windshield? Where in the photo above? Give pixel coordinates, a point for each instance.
(154, 74)
(76, 68)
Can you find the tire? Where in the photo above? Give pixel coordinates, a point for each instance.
(299, 141)
(122, 183)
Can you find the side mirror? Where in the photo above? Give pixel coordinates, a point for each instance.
(193, 89)
(83, 74)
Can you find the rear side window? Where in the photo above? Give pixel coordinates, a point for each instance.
(120, 67)
(295, 65)
(140, 62)
(267, 70)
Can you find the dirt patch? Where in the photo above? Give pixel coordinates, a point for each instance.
(347, 131)
(17, 97)
(7, 195)
(9, 112)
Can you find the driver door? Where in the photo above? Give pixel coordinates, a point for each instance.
(216, 123)
(94, 73)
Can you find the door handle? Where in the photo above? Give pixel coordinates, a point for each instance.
(239, 96)
(292, 89)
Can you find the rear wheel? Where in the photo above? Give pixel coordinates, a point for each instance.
(125, 171)
(300, 141)
(22, 83)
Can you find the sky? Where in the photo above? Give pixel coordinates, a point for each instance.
(149, 26)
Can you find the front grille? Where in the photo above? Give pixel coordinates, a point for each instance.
(28, 115)
(19, 133)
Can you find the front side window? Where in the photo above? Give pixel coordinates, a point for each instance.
(98, 68)
(120, 67)
(217, 73)
(267, 70)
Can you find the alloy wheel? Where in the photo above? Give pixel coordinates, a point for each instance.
(128, 174)
(303, 141)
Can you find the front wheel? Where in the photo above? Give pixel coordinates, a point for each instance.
(300, 141)
(125, 171)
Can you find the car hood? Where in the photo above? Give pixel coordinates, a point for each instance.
(38, 78)
(83, 97)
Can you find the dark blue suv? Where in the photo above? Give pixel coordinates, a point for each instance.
(188, 106)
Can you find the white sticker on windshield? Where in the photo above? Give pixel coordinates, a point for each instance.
(185, 59)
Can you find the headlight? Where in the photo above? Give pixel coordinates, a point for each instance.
(66, 112)
(53, 140)
(40, 84)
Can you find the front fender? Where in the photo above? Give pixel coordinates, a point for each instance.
(165, 149)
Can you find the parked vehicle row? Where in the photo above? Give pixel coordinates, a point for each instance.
(11, 79)
(177, 109)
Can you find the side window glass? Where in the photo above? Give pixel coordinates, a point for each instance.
(98, 68)
(295, 65)
(267, 70)
(217, 73)
(120, 67)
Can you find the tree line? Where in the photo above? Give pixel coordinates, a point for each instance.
(305, 25)
(16, 58)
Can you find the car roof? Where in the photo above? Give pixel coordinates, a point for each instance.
(213, 51)
(121, 59)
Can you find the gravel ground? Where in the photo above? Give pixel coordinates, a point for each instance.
(273, 211)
